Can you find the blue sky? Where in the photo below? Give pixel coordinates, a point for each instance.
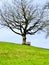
(38, 39)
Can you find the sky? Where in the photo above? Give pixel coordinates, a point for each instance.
(37, 40)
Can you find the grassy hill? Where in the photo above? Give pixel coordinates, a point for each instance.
(15, 54)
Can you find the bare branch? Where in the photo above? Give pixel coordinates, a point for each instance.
(22, 16)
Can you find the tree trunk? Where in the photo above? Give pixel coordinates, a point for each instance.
(24, 39)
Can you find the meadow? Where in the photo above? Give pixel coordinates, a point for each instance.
(17, 54)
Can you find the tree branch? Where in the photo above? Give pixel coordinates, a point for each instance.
(32, 33)
(13, 30)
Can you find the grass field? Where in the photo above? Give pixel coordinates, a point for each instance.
(15, 54)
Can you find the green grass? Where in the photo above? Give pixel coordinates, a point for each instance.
(16, 54)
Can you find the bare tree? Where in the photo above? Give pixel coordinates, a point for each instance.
(22, 17)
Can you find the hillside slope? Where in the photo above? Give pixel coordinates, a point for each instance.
(15, 54)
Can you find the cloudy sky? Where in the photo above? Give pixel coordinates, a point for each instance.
(38, 39)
